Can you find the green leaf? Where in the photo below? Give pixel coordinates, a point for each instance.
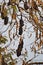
(2, 39)
(11, 63)
(14, 8)
(13, 1)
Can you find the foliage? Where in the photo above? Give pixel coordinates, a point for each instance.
(2, 39)
(29, 7)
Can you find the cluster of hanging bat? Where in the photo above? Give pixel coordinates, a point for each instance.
(31, 5)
